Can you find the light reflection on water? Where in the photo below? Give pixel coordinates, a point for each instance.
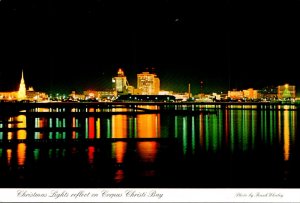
(233, 132)
(233, 129)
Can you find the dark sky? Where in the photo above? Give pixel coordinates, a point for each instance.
(74, 45)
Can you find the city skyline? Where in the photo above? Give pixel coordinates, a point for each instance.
(148, 84)
(224, 44)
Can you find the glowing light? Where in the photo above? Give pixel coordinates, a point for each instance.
(9, 155)
(119, 175)
(286, 136)
(119, 126)
(91, 154)
(21, 153)
(147, 128)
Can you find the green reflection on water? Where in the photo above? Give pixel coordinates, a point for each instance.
(86, 135)
(253, 127)
(193, 135)
(108, 128)
(176, 127)
(36, 154)
(271, 127)
(184, 134)
(232, 131)
(214, 134)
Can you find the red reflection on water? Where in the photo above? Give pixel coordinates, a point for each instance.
(91, 154)
(91, 123)
(91, 127)
(119, 175)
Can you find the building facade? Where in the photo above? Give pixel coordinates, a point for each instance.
(148, 83)
(120, 83)
(286, 91)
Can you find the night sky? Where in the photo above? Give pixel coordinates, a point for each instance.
(70, 45)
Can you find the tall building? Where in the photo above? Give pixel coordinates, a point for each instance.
(120, 83)
(148, 83)
(22, 88)
(23, 94)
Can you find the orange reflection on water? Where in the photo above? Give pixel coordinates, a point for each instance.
(119, 126)
(148, 127)
(286, 135)
(119, 149)
(21, 153)
(147, 150)
(74, 125)
(9, 155)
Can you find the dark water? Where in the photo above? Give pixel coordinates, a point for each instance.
(233, 148)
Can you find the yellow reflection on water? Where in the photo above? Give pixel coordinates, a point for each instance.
(21, 134)
(286, 136)
(9, 135)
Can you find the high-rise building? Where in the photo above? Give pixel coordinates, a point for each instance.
(22, 88)
(120, 83)
(148, 83)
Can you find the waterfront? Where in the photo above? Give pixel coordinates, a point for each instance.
(228, 148)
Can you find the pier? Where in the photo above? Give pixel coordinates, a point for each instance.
(62, 118)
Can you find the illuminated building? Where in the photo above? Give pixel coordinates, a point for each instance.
(23, 94)
(268, 93)
(286, 91)
(250, 93)
(235, 94)
(32, 95)
(22, 89)
(120, 83)
(148, 83)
